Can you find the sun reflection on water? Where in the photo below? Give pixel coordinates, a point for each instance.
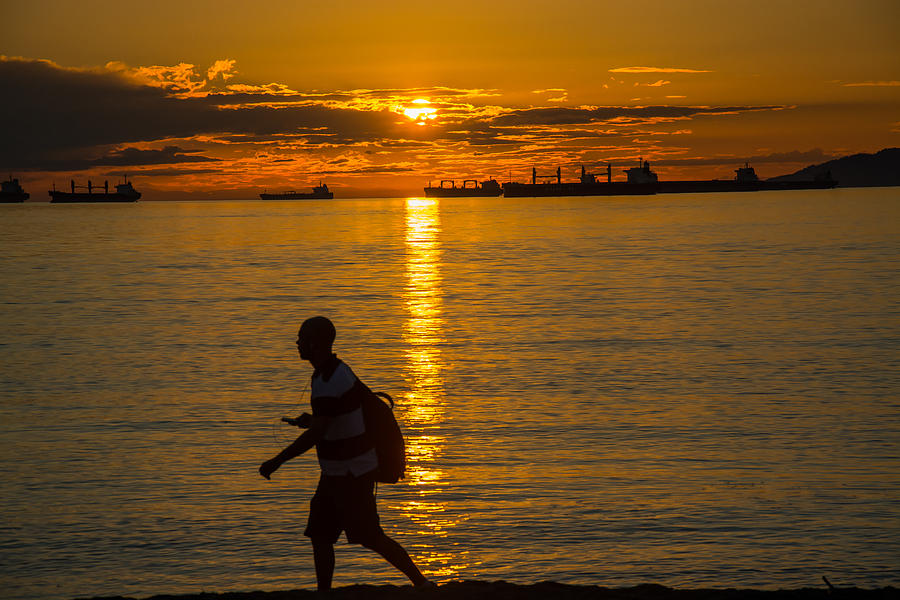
(422, 336)
(423, 329)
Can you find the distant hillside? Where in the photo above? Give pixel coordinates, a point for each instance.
(858, 170)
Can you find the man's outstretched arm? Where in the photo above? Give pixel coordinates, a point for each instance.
(303, 443)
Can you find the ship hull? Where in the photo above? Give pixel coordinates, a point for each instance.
(616, 188)
(725, 185)
(13, 197)
(298, 196)
(437, 192)
(63, 197)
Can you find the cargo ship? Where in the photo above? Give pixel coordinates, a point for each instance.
(320, 192)
(745, 180)
(125, 192)
(11, 191)
(639, 181)
(489, 188)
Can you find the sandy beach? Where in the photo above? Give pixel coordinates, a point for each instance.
(501, 590)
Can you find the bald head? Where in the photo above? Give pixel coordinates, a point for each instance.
(315, 338)
(318, 329)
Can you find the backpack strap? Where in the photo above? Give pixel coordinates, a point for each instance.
(387, 397)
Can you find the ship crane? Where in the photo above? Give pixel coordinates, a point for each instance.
(535, 176)
(590, 178)
(89, 187)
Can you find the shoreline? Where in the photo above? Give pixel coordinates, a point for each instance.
(502, 590)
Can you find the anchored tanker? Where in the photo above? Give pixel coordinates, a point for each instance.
(11, 191)
(124, 193)
(320, 192)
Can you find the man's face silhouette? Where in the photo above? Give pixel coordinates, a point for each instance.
(315, 338)
(304, 345)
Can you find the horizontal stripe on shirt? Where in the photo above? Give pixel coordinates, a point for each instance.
(346, 425)
(335, 384)
(344, 449)
(329, 406)
(359, 465)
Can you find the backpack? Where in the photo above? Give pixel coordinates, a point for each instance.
(386, 436)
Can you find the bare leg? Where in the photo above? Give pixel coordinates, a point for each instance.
(397, 556)
(323, 555)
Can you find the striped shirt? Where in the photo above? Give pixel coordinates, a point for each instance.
(345, 449)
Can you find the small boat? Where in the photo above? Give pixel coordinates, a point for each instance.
(320, 192)
(11, 191)
(125, 192)
(489, 188)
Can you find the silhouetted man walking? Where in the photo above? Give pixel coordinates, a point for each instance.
(345, 498)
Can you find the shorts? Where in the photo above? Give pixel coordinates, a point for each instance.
(347, 504)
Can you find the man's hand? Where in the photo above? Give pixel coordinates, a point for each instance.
(267, 468)
(303, 443)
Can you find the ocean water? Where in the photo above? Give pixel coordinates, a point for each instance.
(690, 390)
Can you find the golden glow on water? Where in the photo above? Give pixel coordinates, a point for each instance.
(693, 390)
(423, 329)
(422, 336)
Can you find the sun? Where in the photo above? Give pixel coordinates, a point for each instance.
(421, 112)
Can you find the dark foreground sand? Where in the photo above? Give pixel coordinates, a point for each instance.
(500, 590)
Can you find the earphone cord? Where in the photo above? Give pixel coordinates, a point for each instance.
(276, 424)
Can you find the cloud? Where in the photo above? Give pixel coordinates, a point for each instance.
(110, 108)
(169, 172)
(656, 70)
(186, 120)
(657, 83)
(100, 107)
(275, 89)
(164, 156)
(225, 68)
(439, 91)
(575, 116)
(180, 79)
(563, 94)
(562, 97)
(873, 84)
(126, 157)
(370, 170)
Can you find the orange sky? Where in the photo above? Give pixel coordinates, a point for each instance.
(223, 99)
